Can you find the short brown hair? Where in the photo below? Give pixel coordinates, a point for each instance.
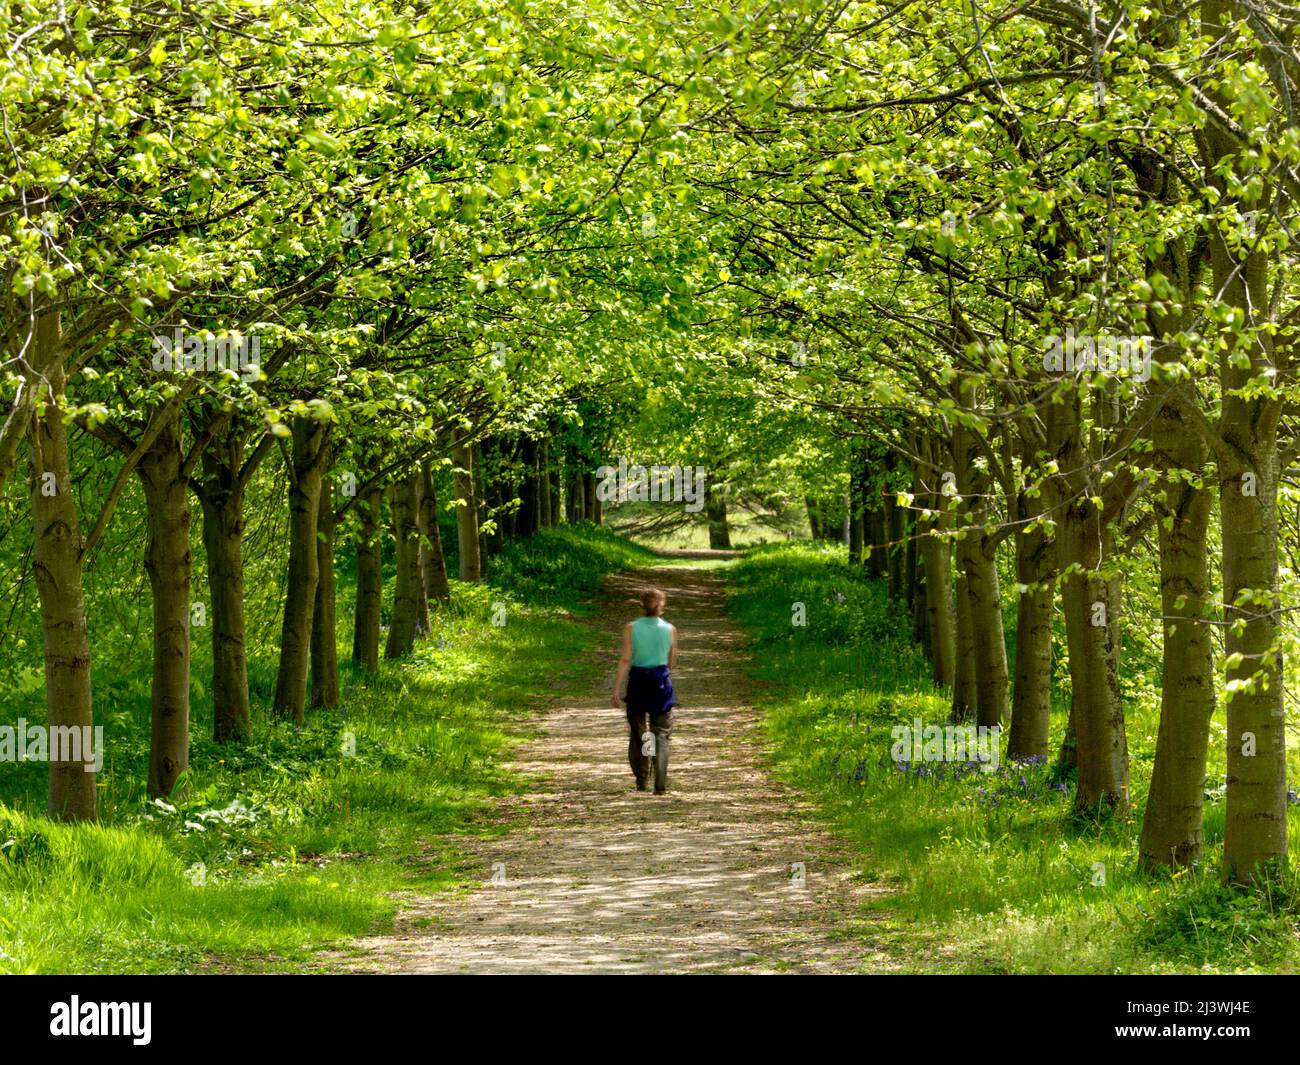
(652, 600)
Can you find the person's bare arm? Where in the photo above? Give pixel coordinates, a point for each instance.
(625, 660)
(672, 651)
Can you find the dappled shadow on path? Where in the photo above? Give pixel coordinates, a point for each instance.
(599, 877)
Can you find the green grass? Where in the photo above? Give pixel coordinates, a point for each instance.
(991, 873)
(563, 566)
(746, 528)
(287, 845)
(291, 843)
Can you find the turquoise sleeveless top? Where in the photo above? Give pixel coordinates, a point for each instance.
(652, 638)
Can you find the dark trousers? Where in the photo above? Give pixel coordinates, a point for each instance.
(649, 754)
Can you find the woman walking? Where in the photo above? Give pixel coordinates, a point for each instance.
(648, 657)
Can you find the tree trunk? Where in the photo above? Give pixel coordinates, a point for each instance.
(168, 563)
(221, 497)
(1090, 604)
(920, 599)
(894, 558)
(921, 613)
(715, 507)
(526, 518)
(988, 636)
(1255, 824)
(423, 625)
(324, 626)
(814, 519)
(1172, 828)
(479, 481)
(935, 553)
(40, 359)
(1172, 832)
(857, 509)
(370, 586)
(911, 573)
(589, 497)
(857, 535)
(543, 491)
(307, 461)
(1031, 704)
(467, 544)
(938, 610)
(406, 596)
(574, 501)
(877, 537)
(965, 698)
(57, 565)
(1255, 828)
(498, 503)
(421, 593)
(1091, 627)
(433, 565)
(977, 565)
(553, 484)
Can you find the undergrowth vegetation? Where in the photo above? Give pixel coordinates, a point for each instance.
(990, 871)
(296, 838)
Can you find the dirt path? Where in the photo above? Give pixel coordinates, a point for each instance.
(603, 878)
